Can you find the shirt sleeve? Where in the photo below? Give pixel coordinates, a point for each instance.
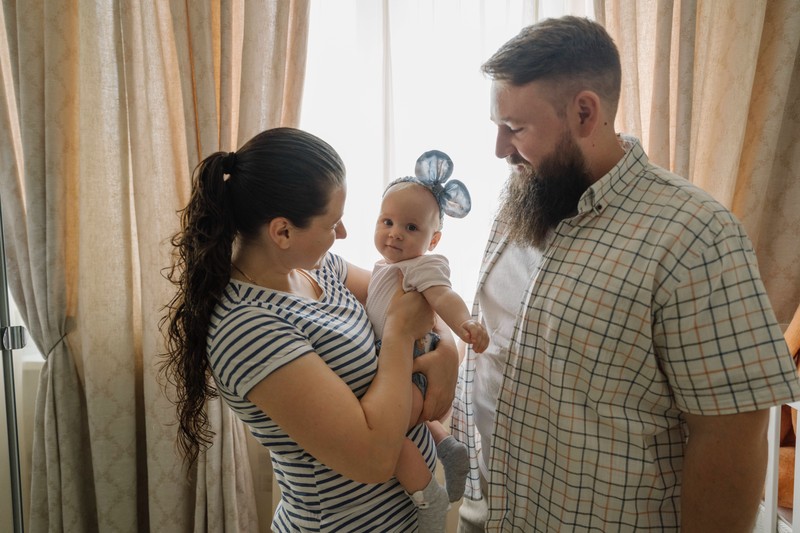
(336, 265)
(427, 271)
(250, 345)
(717, 337)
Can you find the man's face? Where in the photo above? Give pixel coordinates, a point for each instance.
(549, 173)
(528, 124)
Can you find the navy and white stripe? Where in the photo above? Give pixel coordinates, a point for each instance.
(254, 331)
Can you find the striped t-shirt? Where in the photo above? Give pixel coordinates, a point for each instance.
(253, 332)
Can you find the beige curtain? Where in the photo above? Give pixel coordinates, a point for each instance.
(107, 106)
(713, 90)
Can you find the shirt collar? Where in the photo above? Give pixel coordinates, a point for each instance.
(597, 196)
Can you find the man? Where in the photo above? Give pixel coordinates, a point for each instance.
(634, 354)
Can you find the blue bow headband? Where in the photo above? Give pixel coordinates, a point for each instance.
(432, 170)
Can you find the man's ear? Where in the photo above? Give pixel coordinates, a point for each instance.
(434, 240)
(585, 112)
(281, 231)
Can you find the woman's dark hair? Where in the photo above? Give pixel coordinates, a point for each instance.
(574, 52)
(281, 172)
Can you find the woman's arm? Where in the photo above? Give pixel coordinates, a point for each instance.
(360, 439)
(357, 282)
(440, 366)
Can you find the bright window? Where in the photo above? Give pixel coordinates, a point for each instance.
(385, 86)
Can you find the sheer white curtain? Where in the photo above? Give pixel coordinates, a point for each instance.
(386, 81)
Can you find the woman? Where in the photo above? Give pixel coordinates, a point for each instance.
(271, 315)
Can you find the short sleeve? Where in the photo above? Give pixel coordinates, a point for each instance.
(336, 265)
(251, 344)
(717, 337)
(427, 271)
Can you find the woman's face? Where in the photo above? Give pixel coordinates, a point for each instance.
(314, 241)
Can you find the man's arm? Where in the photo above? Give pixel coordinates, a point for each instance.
(723, 472)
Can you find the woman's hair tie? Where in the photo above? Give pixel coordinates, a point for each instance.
(229, 163)
(432, 170)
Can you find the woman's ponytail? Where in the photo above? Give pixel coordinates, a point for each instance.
(200, 271)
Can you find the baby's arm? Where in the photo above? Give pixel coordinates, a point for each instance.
(448, 304)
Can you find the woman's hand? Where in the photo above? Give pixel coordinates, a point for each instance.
(440, 366)
(409, 314)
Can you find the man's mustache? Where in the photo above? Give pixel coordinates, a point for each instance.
(516, 159)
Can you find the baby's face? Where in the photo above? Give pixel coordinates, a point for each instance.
(408, 224)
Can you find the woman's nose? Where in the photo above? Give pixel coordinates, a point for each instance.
(341, 231)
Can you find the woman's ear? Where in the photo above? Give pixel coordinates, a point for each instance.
(434, 240)
(280, 231)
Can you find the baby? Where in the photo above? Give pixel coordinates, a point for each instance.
(409, 226)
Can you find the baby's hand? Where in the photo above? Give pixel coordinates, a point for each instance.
(476, 335)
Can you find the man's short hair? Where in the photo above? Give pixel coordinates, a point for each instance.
(572, 52)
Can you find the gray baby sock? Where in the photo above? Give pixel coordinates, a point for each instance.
(455, 461)
(432, 506)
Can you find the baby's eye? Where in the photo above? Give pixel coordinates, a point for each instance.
(411, 227)
(387, 222)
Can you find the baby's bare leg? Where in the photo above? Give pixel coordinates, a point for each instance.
(454, 458)
(429, 497)
(412, 473)
(437, 431)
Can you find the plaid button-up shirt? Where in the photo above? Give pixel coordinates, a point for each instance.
(648, 304)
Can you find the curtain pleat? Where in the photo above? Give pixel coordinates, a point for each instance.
(268, 69)
(767, 190)
(62, 489)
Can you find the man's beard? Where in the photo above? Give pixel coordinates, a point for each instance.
(535, 201)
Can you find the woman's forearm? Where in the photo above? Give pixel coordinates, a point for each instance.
(387, 403)
(440, 366)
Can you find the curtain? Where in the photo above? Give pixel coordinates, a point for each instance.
(107, 107)
(713, 90)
